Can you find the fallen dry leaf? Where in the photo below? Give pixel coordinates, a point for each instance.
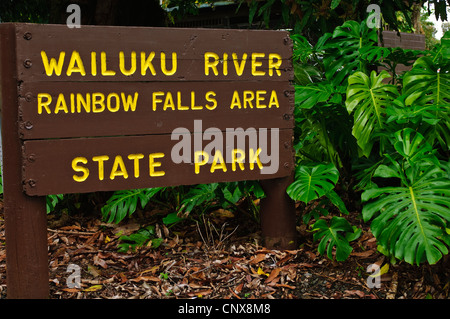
(222, 213)
(94, 271)
(358, 293)
(285, 286)
(258, 258)
(285, 260)
(146, 278)
(100, 262)
(93, 288)
(238, 288)
(196, 286)
(273, 274)
(126, 229)
(200, 294)
(70, 290)
(364, 254)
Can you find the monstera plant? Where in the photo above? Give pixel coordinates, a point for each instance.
(428, 83)
(368, 98)
(411, 221)
(401, 134)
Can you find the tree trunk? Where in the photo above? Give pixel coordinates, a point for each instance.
(415, 17)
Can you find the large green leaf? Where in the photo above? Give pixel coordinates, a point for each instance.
(312, 182)
(343, 56)
(337, 234)
(323, 128)
(303, 51)
(305, 74)
(197, 195)
(428, 82)
(51, 200)
(442, 50)
(431, 120)
(368, 98)
(410, 221)
(125, 202)
(412, 115)
(412, 146)
(309, 96)
(139, 238)
(334, 4)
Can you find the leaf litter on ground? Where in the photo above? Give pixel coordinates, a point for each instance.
(185, 266)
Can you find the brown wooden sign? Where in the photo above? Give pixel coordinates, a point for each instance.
(111, 108)
(79, 109)
(126, 91)
(113, 163)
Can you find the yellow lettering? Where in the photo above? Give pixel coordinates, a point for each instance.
(105, 71)
(256, 64)
(174, 64)
(108, 102)
(235, 159)
(98, 99)
(94, 63)
(118, 168)
(72, 103)
(122, 63)
(254, 158)
(274, 65)
(129, 102)
(211, 100)
(260, 98)
(44, 104)
(146, 63)
(197, 162)
(75, 59)
(225, 64)
(179, 106)
(53, 65)
(218, 162)
(136, 158)
(211, 65)
(85, 103)
(101, 168)
(76, 168)
(155, 99)
(61, 104)
(239, 67)
(168, 102)
(235, 101)
(153, 164)
(248, 97)
(193, 106)
(273, 100)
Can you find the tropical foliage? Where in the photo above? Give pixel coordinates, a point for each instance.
(316, 17)
(395, 140)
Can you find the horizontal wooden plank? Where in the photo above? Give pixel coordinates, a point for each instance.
(96, 51)
(117, 163)
(82, 109)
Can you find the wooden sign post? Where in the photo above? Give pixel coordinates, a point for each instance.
(112, 108)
